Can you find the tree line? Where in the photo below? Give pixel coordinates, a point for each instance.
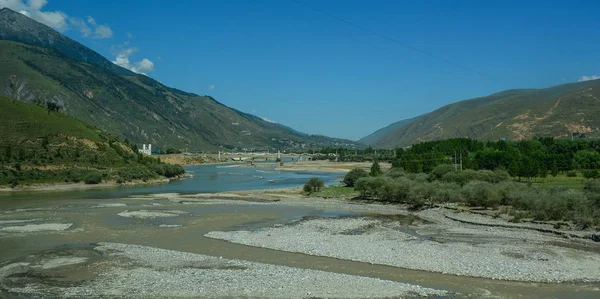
(538, 157)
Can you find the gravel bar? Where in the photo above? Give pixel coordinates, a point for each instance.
(29, 228)
(133, 271)
(508, 255)
(149, 214)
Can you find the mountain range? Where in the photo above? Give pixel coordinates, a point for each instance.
(40, 65)
(559, 111)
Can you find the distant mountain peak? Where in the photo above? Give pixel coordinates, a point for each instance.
(15, 26)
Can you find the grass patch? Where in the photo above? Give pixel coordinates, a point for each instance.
(560, 180)
(337, 192)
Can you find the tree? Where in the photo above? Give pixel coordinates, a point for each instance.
(514, 170)
(375, 169)
(529, 168)
(313, 185)
(353, 176)
(543, 171)
(8, 153)
(587, 159)
(173, 151)
(93, 178)
(53, 107)
(554, 170)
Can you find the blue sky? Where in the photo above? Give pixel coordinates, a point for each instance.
(338, 68)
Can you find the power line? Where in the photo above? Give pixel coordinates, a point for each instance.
(393, 40)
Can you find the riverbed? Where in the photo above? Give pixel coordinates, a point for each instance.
(143, 243)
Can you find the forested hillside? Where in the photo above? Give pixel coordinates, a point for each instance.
(42, 145)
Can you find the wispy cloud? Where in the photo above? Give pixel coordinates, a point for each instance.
(58, 20)
(212, 87)
(588, 78)
(92, 21)
(102, 31)
(81, 26)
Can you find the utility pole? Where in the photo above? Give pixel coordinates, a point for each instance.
(455, 165)
(461, 161)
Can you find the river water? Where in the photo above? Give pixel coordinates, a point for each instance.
(92, 224)
(206, 179)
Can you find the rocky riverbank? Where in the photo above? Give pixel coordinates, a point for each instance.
(132, 271)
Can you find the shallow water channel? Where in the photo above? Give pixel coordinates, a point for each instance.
(93, 224)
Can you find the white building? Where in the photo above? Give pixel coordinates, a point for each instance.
(146, 150)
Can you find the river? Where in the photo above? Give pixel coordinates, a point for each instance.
(206, 179)
(93, 224)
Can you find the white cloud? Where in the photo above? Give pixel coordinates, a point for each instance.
(588, 78)
(269, 120)
(102, 31)
(211, 87)
(56, 19)
(16, 5)
(33, 9)
(143, 66)
(129, 35)
(37, 4)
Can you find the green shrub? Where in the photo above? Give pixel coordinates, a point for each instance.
(371, 187)
(421, 194)
(481, 194)
(592, 186)
(446, 192)
(93, 178)
(395, 190)
(313, 185)
(168, 170)
(460, 177)
(505, 191)
(353, 176)
(591, 174)
(439, 171)
(420, 178)
(571, 174)
(134, 173)
(395, 173)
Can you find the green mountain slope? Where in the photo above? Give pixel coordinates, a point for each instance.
(373, 137)
(39, 146)
(40, 65)
(514, 114)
